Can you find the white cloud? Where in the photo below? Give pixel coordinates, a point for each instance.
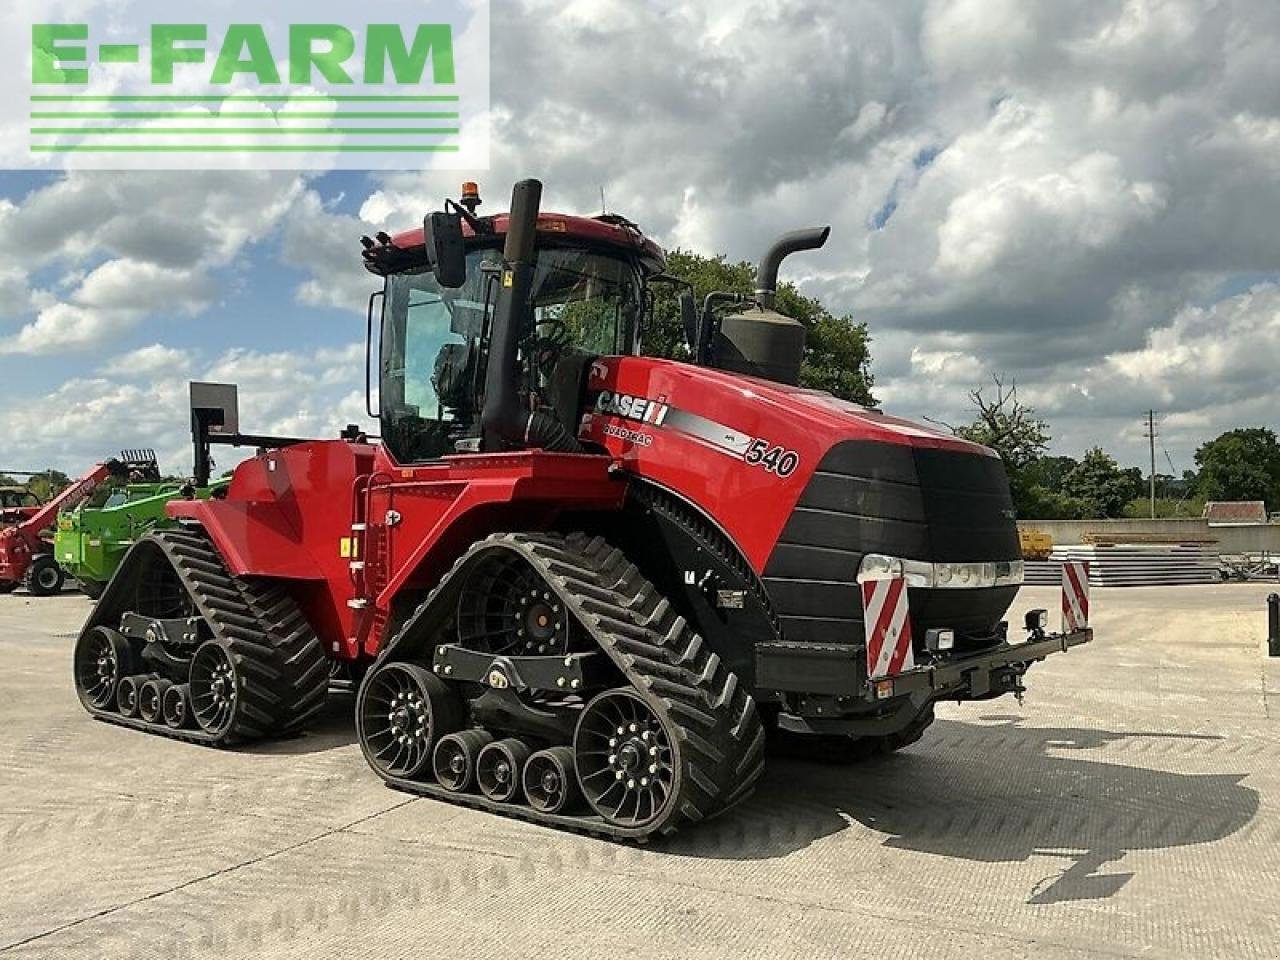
(141, 401)
(1058, 192)
(149, 361)
(130, 245)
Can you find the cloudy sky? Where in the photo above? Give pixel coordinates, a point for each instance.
(1084, 196)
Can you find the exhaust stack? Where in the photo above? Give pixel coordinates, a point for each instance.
(759, 341)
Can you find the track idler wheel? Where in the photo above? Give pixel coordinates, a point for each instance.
(498, 769)
(454, 760)
(215, 683)
(151, 699)
(626, 759)
(175, 706)
(102, 657)
(550, 784)
(129, 694)
(402, 711)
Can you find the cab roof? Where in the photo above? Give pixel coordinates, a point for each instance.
(408, 249)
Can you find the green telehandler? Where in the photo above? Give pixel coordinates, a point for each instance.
(91, 541)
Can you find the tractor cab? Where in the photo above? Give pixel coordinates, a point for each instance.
(586, 299)
(16, 504)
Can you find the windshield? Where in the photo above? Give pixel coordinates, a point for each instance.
(585, 305)
(18, 498)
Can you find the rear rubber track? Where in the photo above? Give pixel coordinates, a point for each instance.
(282, 662)
(714, 719)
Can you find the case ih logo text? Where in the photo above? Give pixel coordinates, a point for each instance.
(632, 408)
(133, 90)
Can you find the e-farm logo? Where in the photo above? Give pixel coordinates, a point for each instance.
(405, 91)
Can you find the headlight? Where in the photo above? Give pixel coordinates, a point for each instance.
(921, 573)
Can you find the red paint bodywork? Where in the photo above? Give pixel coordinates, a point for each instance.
(750, 503)
(288, 512)
(579, 230)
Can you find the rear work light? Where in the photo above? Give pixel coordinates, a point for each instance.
(940, 639)
(945, 576)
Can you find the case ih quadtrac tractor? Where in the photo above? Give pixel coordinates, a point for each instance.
(583, 581)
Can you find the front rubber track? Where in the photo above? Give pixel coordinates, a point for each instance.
(714, 719)
(284, 670)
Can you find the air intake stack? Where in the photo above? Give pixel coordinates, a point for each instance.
(759, 341)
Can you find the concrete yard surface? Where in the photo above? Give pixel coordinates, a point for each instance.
(1131, 807)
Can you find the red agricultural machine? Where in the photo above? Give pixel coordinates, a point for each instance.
(17, 504)
(580, 583)
(26, 544)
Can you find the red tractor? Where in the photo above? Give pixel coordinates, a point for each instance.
(580, 583)
(26, 545)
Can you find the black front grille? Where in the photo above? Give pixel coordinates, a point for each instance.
(911, 502)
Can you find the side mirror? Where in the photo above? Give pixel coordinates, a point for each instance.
(689, 320)
(446, 249)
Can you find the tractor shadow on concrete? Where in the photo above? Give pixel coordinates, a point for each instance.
(995, 793)
(333, 729)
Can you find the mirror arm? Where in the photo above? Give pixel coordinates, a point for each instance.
(368, 355)
(477, 225)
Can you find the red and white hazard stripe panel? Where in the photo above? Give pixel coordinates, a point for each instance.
(1075, 596)
(888, 627)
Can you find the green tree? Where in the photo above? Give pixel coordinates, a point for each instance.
(1014, 431)
(1098, 482)
(1008, 427)
(48, 484)
(1050, 472)
(1240, 464)
(837, 351)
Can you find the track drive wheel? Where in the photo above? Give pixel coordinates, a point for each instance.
(401, 712)
(102, 656)
(627, 760)
(45, 577)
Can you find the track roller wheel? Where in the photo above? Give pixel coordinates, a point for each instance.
(175, 706)
(626, 759)
(498, 768)
(151, 698)
(45, 577)
(402, 710)
(550, 784)
(128, 694)
(454, 760)
(102, 657)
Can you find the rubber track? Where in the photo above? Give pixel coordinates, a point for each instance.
(718, 733)
(283, 664)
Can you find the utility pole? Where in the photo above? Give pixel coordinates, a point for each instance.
(1151, 436)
